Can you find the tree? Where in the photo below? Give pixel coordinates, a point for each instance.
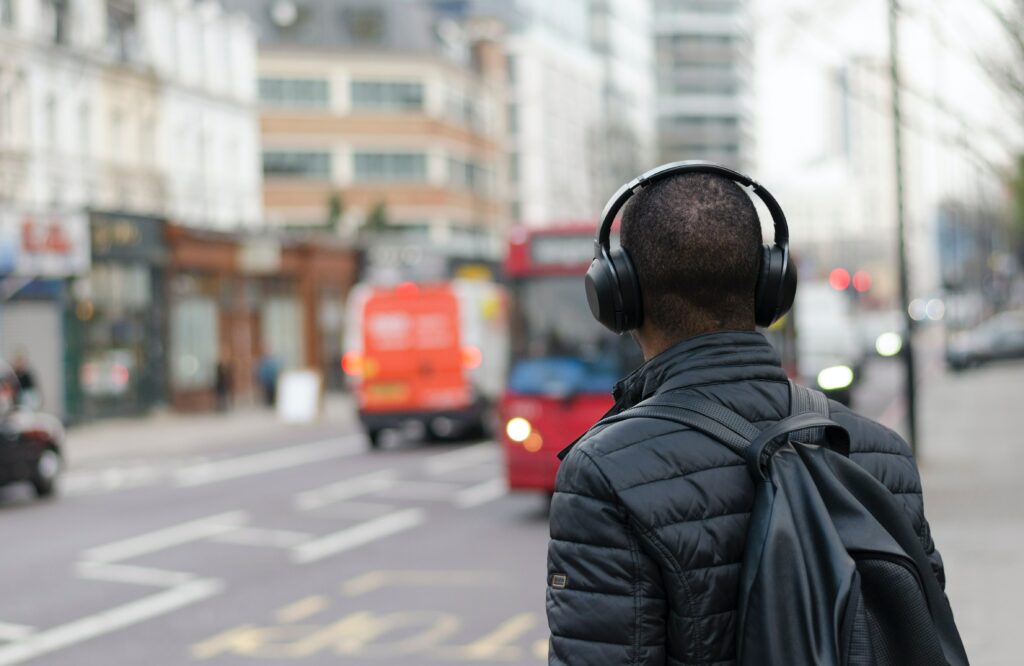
(1008, 73)
(377, 218)
(335, 210)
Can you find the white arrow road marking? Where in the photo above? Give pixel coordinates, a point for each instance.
(361, 534)
(255, 536)
(132, 575)
(340, 491)
(442, 463)
(105, 622)
(421, 490)
(177, 535)
(14, 632)
(269, 461)
(488, 491)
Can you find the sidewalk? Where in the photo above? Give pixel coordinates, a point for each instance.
(972, 459)
(175, 434)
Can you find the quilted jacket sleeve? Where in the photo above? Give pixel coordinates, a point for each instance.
(605, 601)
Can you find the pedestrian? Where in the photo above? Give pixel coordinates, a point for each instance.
(266, 374)
(649, 518)
(28, 388)
(222, 383)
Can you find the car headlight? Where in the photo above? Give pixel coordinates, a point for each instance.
(835, 378)
(518, 429)
(889, 344)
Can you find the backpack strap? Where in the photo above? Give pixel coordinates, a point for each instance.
(742, 437)
(803, 400)
(702, 415)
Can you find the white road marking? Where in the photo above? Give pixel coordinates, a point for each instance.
(361, 534)
(421, 490)
(488, 491)
(132, 575)
(318, 498)
(171, 536)
(105, 622)
(269, 461)
(485, 452)
(255, 536)
(14, 632)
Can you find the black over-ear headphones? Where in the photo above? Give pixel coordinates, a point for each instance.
(613, 289)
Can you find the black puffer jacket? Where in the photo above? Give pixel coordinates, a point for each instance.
(649, 518)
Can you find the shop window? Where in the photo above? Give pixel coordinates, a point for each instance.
(391, 167)
(281, 330)
(387, 95)
(310, 93)
(194, 336)
(297, 164)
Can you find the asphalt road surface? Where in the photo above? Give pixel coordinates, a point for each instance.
(309, 549)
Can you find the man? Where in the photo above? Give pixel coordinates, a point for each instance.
(649, 518)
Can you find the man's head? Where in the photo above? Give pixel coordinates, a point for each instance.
(695, 241)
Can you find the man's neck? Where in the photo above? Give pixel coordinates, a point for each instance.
(654, 341)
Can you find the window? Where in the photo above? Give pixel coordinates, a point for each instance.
(512, 118)
(698, 6)
(312, 93)
(116, 134)
(84, 133)
(52, 139)
(409, 167)
(121, 29)
(7, 12)
(297, 164)
(365, 24)
(468, 175)
(510, 69)
(393, 95)
(194, 335)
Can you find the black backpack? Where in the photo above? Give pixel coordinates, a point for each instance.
(833, 572)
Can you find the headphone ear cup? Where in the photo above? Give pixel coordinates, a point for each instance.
(629, 290)
(766, 297)
(789, 283)
(600, 286)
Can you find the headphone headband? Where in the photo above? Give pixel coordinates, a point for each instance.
(635, 186)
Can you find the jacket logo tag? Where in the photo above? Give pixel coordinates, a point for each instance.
(559, 581)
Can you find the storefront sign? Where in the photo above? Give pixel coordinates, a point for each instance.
(48, 245)
(129, 237)
(259, 256)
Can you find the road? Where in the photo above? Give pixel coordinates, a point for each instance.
(283, 547)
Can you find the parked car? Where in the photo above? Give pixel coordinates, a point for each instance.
(30, 441)
(1001, 337)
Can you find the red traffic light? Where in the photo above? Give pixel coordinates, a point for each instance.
(839, 279)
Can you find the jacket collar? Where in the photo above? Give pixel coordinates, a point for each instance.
(721, 356)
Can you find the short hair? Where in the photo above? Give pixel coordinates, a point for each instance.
(695, 241)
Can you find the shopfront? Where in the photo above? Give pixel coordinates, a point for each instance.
(118, 318)
(39, 252)
(246, 301)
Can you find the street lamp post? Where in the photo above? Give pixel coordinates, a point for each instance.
(904, 272)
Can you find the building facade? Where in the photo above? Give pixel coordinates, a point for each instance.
(555, 114)
(383, 120)
(704, 60)
(620, 35)
(115, 117)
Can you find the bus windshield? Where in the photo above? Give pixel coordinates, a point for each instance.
(557, 347)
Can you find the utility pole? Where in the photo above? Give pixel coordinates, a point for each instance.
(897, 135)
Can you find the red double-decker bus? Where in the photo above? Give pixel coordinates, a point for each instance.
(564, 364)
